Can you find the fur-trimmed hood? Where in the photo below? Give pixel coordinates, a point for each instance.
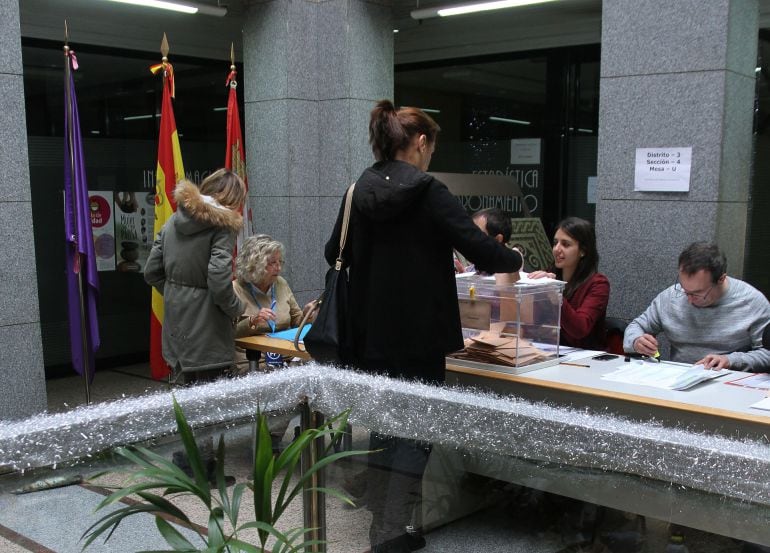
(196, 212)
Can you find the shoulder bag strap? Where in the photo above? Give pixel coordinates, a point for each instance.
(337, 265)
(345, 222)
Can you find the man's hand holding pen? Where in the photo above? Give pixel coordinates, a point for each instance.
(647, 345)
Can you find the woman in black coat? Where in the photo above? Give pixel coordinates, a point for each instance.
(404, 315)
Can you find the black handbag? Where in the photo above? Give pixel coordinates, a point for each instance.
(326, 339)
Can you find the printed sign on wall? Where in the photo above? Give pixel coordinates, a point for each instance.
(525, 151)
(102, 224)
(663, 169)
(134, 218)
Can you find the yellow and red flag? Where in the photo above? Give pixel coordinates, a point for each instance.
(235, 158)
(169, 171)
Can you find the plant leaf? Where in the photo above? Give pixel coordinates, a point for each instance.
(219, 467)
(216, 530)
(308, 474)
(263, 474)
(235, 505)
(165, 506)
(193, 453)
(173, 536)
(247, 547)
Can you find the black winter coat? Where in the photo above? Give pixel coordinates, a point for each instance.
(403, 299)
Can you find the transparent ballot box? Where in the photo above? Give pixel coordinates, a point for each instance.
(511, 328)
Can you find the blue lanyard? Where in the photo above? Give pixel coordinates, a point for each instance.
(273, 303)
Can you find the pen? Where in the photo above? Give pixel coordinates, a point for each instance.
(574, 364)
(270, 323)
(653, 358)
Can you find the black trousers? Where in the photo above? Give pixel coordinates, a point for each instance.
(397, 465)
(394, 489)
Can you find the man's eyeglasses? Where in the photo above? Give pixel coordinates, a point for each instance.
(694, 295)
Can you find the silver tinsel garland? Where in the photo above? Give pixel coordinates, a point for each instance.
(459, 418)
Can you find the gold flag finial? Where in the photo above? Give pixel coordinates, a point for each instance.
(232, 57)
(164, 46)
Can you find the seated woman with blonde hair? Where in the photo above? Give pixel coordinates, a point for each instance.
(270, 303)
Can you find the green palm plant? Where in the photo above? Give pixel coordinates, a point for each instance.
(155, 473)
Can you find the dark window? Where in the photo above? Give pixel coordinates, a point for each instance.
(486, 105)
(118, 99)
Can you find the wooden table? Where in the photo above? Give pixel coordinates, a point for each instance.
(264, 344)
(713, 406)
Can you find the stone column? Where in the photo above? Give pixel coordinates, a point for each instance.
(312, 72)
(673, 74)
(22, 377)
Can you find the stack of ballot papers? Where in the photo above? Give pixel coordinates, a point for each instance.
(509, 350)
(668, 376)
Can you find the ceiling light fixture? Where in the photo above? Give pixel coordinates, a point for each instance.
(182, 6)
(460, 9)
(506, 120)
(138, 117)
(426, 110)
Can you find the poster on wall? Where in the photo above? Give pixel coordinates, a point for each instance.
(102, 225)
(134, 218)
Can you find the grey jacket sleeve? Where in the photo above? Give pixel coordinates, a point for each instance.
(220, 274)
(154, 272)
(646, 323)
(758, 359)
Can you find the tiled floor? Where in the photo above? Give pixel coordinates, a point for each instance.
(129, 381)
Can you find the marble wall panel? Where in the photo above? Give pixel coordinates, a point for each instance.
(644, 37)
(10, 38)
(742, 23)
(371, 50)
(308, 236)
(18, 278)
(737, 139)
(22, 377)
(334, 67)
(640, 242)
(14, 179)
(265, 46)
(267, 147)
(680, 110)
(303, 128)
(302, 54)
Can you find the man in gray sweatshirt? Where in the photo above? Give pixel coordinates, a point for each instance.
(708, 317)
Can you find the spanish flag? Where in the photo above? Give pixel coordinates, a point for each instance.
(168, 172)
(235, 158)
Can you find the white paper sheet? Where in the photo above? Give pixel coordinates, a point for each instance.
(667, 376)
(763, 404)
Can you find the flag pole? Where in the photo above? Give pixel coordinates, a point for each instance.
(74, 203)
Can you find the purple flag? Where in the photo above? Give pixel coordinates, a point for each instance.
(80, 257)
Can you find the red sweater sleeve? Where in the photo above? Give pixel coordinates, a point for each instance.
(586, 307)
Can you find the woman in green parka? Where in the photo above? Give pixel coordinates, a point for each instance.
(191, 265)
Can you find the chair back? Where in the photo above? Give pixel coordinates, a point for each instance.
(614, 329)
